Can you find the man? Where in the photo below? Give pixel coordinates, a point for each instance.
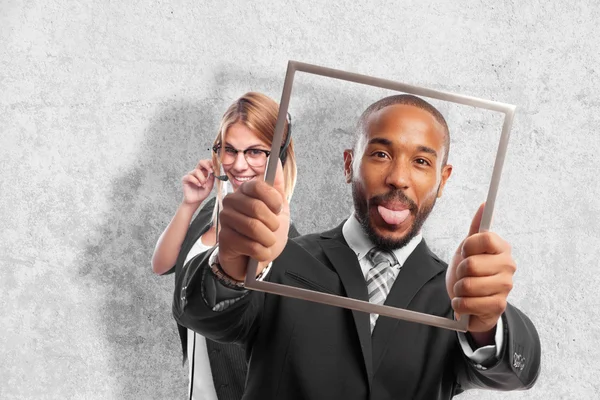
(304, 350)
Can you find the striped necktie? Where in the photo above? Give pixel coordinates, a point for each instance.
(379, 278)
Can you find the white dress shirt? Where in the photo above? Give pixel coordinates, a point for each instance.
(360, 243)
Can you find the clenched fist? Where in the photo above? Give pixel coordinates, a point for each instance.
(479, 279)
(254, 223)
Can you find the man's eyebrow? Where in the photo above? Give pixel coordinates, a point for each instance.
(383, 141)
(429, 150)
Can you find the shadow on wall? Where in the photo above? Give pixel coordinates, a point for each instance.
(144, 354)
(135, 313)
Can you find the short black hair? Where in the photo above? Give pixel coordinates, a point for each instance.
(409, 100)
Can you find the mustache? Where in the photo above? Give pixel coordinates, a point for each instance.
(395, 196)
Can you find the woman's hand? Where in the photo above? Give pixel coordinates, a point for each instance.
(198, 183)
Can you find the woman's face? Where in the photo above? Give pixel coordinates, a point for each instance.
(240, 168)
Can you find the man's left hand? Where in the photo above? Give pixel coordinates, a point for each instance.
(479, 279)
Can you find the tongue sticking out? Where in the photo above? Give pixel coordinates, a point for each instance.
(392, 217)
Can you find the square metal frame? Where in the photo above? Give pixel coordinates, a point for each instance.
(460, 325)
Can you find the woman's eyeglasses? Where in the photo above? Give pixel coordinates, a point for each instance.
(254, 157)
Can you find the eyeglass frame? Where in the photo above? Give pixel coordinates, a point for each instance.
(217, 147)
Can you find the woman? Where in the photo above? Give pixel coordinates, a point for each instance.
(240, 151)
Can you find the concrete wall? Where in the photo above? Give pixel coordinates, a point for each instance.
(105, 105)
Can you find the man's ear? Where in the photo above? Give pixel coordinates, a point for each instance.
(446, 172)
(348, 158)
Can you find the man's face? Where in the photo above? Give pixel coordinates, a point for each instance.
(400, 174)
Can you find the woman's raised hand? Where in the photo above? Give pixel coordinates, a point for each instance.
(198, 183)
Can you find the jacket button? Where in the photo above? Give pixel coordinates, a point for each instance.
(183, 301)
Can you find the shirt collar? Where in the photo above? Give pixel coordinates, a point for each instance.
(360, 243)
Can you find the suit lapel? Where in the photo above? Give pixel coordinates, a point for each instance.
(198, 227)
(347, 267)
(419, 268)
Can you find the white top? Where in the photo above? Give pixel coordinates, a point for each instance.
(203, 385)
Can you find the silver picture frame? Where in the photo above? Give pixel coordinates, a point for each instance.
(508, 110)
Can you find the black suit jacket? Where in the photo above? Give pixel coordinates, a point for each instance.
(308, 351)
(227, 361)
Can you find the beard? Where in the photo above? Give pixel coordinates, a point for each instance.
(389, 243)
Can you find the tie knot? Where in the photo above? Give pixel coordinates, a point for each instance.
(378, 256)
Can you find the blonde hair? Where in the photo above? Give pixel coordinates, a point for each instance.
(258, 113)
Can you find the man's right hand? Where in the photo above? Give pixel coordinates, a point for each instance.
(254, 223)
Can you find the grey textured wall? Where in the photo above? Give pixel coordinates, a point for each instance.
(105, 105)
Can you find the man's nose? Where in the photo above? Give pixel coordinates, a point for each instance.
(399, 175)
